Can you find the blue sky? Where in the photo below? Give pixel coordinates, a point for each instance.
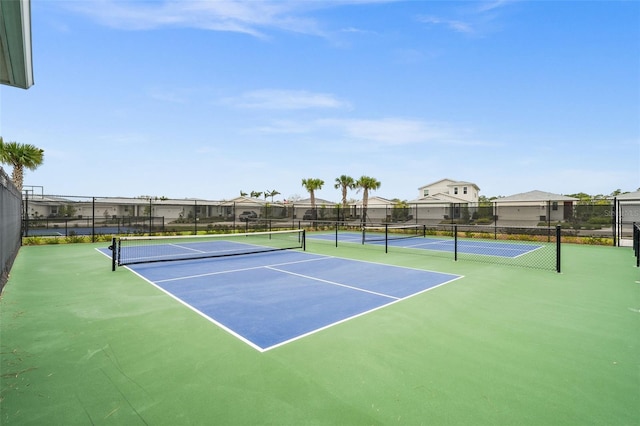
(205, 99)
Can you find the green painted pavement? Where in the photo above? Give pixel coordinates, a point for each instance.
(503, 346)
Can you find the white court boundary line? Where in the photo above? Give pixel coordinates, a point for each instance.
(273, 267)
(331, 282)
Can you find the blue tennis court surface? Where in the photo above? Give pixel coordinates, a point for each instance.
(270, 299)
(487, 248)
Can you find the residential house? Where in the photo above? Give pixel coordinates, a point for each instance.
(446, 199)
(449, 190)
(67, 208)
(379, 209)
(628, 213)
(324, 209)
(533, 207)
(232, 209)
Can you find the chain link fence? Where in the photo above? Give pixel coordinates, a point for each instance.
(603, 222)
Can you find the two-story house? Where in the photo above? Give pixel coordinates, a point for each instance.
(449, 190)
(446, 199)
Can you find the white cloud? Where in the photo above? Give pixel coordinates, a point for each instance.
(286, 100)
(287, 127)
(453, 24)
(494, 4)
(172, 95)
(477, 19)
(242, 16)
(388, 131)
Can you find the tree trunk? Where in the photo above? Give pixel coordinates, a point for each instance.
(365, 202)
(18, 177)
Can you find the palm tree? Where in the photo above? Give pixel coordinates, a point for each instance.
(270, 194)
(345, 183)
(20, 156)
(312, 185)
(367, 184)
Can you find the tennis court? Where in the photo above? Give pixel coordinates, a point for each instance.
(269, 299)
(210, 341)
(486, 248)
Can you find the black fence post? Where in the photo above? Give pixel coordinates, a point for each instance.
(614, 217)
(93, 220)
(386, 238)
(455, 242)
(636, 243)
(635, 239)
(558, 244)
(113, 253)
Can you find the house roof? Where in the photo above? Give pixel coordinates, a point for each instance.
(319, 202)
(436, 182)
(16, 68)
(535, 196)
(629, 196)
(452, 182)
(440, 198)
(245, 200)
(376, 201)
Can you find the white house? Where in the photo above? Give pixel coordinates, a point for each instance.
(450, 191)
(324, 209)
(378, 209)
(530, 208)
(446, 199)
(628, 213)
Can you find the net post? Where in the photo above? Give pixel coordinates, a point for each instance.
(424, 231)
(304, 240)
(455, 242)
(113, 254)
(558, 239)
(337, 226)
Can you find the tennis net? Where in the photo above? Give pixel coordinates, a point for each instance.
(386, 233)
(132, 250)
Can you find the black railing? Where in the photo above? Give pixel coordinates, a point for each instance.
(10, 216)
(602, 222)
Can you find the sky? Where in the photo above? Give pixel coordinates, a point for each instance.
(205, 99)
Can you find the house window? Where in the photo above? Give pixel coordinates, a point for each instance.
(464, 190)
(554, 206)
(455, 190)
(425, 193)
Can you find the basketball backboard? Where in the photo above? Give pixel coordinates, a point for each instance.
(16, 68)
